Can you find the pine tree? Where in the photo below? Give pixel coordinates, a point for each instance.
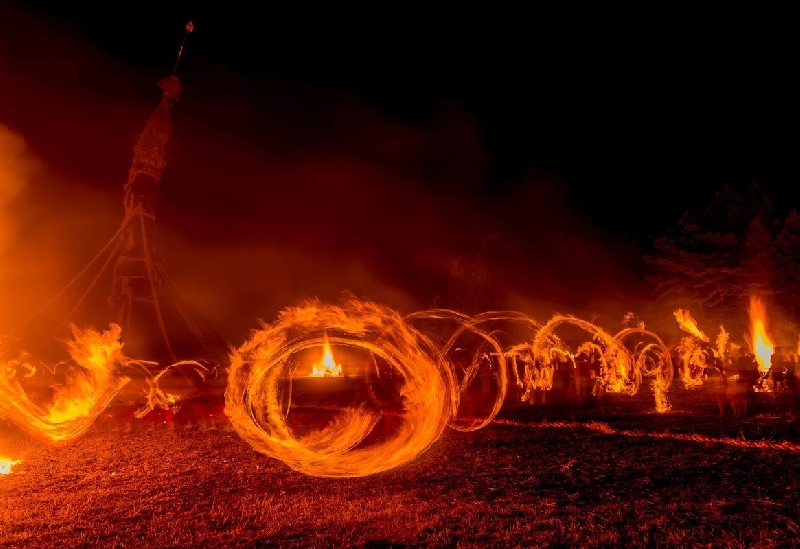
(787, 265)
(758, 261)
(692, 263)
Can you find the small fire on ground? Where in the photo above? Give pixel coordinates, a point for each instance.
(327, 366)
(6, 464)
(762, 345)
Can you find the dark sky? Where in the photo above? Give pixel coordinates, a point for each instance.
(320, 151)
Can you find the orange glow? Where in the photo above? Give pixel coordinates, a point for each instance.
(6, 464)
(327, 366)
(689, 325)
(254, 399)
(92, 380)
(762, 345)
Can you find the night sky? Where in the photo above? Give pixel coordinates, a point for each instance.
(321, 151)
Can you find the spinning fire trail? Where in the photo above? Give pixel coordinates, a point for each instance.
(411, 376)
(418, 371)
(261, 369)
(419, 363)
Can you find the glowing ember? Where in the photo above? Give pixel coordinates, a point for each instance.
(762, 345)
(326, 367)
(6, 464)
(689, 325)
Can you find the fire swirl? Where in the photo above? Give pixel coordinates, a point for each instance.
(79, 389)
(438, 355)
(92, 379)
(259, 389)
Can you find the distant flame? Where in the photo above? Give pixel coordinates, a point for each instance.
(762, 345)
(6, 464)
(723, 338)
(327, 366)
(688, 324)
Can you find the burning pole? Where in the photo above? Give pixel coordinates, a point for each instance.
(189, 30)
(137, 273)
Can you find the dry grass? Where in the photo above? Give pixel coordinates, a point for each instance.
(544, 476)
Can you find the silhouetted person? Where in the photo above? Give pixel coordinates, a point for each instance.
(777, 370)
(584, 370)
(715, 382)
(536, 392)
(791, 377)
(486, 373)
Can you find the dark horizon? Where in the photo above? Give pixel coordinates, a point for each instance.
(350, 160)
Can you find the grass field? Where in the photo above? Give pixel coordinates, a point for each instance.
(540, 476)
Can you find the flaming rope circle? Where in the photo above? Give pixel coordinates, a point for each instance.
(487, 352)
(255, 399)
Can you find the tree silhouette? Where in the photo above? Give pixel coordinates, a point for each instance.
(692, 265)
(758, 260)
(480, 283)
(787, 265)
(735, 248)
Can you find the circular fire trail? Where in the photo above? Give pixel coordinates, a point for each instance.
(436, 357)
(260, 378)
(482, 358)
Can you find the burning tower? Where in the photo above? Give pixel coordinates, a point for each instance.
(138, 274)
(157, 322)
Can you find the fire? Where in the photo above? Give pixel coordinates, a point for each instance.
(762, 345)
(83, 392)
(326, 367)
(6, 464)
(689, 325)
(254, 399)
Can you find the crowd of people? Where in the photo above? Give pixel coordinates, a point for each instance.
(733, 381)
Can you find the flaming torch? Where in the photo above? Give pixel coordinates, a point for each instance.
(688, 324)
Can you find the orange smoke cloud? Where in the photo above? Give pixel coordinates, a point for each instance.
(275, 191)
(17, 167)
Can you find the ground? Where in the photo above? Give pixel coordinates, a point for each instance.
(541, 475)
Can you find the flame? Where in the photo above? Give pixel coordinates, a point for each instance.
(723, 339)
(6, 464)
(254, 403)
(688, 324)
(762, 345)
(88, 386)
(326, 367)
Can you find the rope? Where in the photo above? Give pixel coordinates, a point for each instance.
(114, 239)
(150, 276)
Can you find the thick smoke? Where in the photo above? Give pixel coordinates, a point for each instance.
(16, 168)
(276, 191)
